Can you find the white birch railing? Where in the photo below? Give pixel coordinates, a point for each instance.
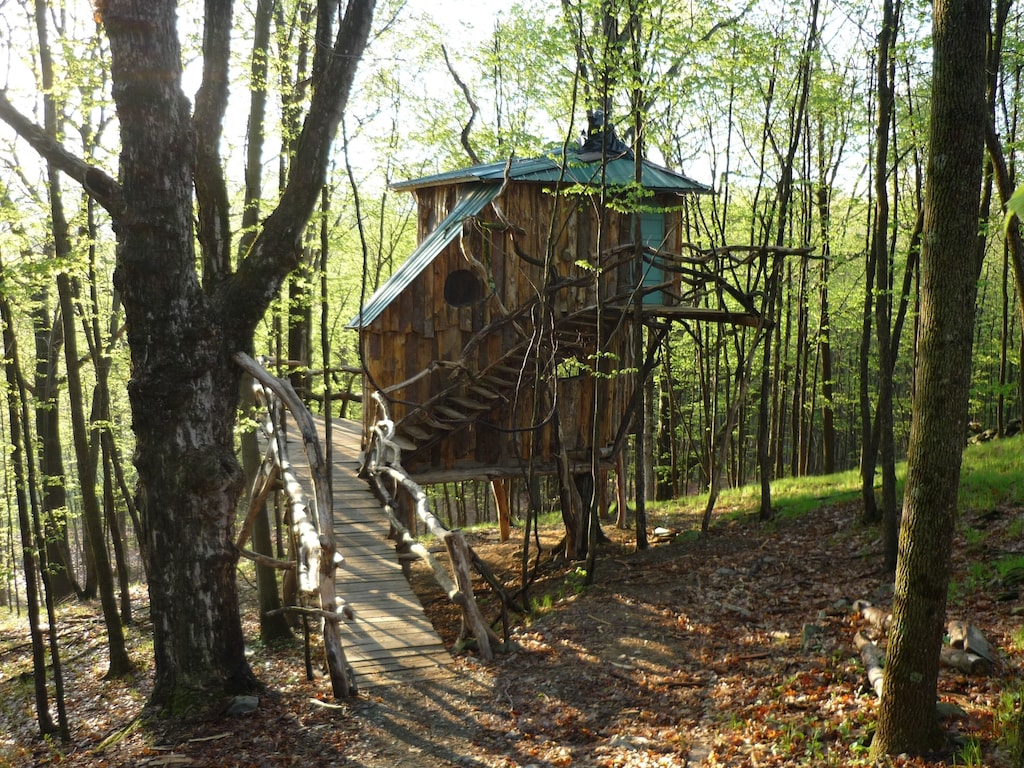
(316, 554)
(383, 461)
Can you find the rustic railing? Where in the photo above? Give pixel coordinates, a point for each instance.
(383, 466)
(316, 557)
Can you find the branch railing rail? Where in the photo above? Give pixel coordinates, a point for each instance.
(382, 465)
(316, 557)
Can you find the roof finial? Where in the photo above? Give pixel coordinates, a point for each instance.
(601, 138)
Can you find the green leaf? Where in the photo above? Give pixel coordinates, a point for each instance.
(1014, 207)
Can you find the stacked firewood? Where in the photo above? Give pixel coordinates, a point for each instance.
(967, 649)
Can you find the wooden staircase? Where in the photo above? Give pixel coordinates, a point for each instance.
(470, 396)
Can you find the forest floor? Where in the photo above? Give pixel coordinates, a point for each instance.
(730, 649)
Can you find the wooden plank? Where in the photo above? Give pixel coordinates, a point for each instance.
(390, 640)
(366, 647)
(406, 657)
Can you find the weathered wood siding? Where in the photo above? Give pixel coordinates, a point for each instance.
(420, 329)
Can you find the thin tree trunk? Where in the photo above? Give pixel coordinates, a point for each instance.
(19, 457)
(119, 663)
(51, 455)
(55, 494)
(91, 512)
(883, 283)
(828, 430)
(116, 535)
(785, 194)
(950, 265)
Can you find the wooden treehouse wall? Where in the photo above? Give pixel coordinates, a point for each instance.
(420, 327)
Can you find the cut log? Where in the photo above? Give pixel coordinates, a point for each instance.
(968, 663)
(969, 638)
(872, 661)
(877, 617)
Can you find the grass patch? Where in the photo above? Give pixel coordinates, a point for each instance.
(791, 497)
(992, 475)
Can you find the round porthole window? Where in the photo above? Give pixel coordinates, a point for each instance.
(463, 288)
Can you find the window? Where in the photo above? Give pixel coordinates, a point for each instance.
(463, 288)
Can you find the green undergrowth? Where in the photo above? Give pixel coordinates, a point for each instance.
(992, 477)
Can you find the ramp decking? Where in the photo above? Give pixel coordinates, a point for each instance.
(390, 640)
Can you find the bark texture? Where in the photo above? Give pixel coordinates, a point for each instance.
(950, 265)
(182, 335)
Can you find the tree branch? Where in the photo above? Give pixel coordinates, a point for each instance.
(277, 248)
(464, 136)
(211, 104)
(100, 186)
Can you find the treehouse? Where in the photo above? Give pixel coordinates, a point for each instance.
(510, 334)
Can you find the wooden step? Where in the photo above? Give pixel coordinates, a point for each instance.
(473, 405)
(484, 392)
(450, 413)
(404, 443)
(429, 420)
(495, 382)
(419, 434)
(512, 372)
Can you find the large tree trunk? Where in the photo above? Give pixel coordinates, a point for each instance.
(950, 266)
(184, 387)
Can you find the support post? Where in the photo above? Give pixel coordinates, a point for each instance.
(499, 487)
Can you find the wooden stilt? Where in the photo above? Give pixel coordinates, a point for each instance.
(620, 485)
(499, 487)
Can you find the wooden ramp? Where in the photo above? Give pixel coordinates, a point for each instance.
(390, 640)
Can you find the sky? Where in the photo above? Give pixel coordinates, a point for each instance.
(457, 15)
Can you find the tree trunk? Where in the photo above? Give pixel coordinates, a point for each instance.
(19, 458)
(828, 429)
(92, 514)
(119, 663)
(950, 267)
(883, 282)
(51, 458)
(116, 534)
(48, 338)
(184, 388)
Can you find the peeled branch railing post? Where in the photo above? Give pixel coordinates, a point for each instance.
(318, 558)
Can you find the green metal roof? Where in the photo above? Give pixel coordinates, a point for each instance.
(481, 184)
(471, 201)
(578, 168)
